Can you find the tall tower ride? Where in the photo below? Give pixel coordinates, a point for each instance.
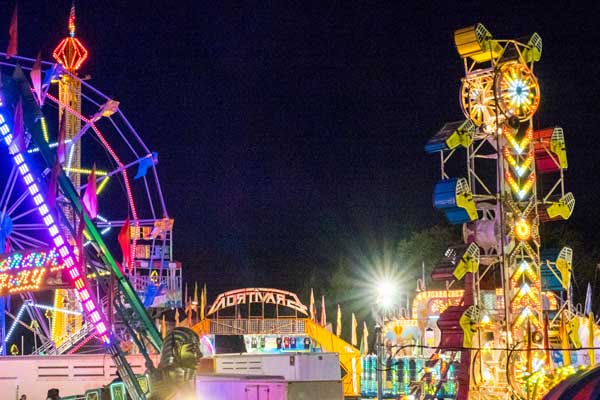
(515, 293)
(70, 54)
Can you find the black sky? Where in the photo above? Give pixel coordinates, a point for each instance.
(291, 133)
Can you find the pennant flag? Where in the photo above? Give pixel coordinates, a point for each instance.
(313, 315)
(163, 327)
(36, 79)
(18, 128)
(185, 295)
(125, 243)
(590, 344)
(364, 347)
(587, 309)
(195, 302)
(144, 164)
(177, 317)
(12, 31)
(62, 133)
(203, 302)
(338, 322)
(188, 311)
(354, 340)
(323, 315)
(90, 199)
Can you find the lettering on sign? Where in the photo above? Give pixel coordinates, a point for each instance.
(25, 271)
(258, 295)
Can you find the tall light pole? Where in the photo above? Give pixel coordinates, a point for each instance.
(384, 304)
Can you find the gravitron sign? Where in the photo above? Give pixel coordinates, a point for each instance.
(258, 295)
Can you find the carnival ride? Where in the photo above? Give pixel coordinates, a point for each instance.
(288, 329)
(504, 327)
(53, 241)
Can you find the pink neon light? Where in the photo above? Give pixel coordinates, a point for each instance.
(114, 155)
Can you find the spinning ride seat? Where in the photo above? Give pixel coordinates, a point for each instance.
(476, 42)
(457, 262)
(455, 198)
(452, 135)
(550, 150)
(555, 268)
(557, 210)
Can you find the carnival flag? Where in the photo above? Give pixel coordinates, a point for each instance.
(12, 31)
(62, 133)
(365, 339)
(354, 340)
(125, 243)
(202, 302)
(36, 78)
(323, 314)
(90, 200)
(163, 327)
(590, 343)
(18, 128)
(145, 163)
(185, 294)
(313, 307)
(188, 312)
(587, 309)
(338, 322)
(177, 317)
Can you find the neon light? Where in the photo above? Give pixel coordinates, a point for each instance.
(85, 171)
(13, 326)
(30, 259)
(28, 279)
(44, 129)
(28, 179)
(522, 229)
(33, 189)
(60, 310)
(70, 53)
(102, 185)
(95, 316)
(111, 151)
(51, 145)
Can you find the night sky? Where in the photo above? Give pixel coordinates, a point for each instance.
(291, 134)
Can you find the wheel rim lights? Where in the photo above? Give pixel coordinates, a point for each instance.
(518, 91)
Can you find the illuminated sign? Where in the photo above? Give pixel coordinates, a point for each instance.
(258, 295)
(25, 271)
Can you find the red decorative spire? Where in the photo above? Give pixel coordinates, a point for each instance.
(70, 53)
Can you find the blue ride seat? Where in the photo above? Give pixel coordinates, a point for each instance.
(454, 197)
(452, 135)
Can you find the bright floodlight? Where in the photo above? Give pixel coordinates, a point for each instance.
(385, 293)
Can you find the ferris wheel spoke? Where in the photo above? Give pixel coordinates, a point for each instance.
(24, 214)
(29, 227)
(18, 202)
(17, 243)
(8, 189)
(29, 240)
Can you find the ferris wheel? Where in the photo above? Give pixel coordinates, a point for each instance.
(97, 136)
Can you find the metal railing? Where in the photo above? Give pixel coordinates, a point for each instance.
(260, 326)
